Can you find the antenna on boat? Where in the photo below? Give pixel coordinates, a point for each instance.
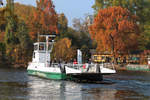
(38, 37)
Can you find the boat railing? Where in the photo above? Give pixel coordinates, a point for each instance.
(54, 65)
(108, 65)
(90, 67)
(83, 67)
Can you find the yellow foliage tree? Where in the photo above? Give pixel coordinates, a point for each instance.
(63, 50)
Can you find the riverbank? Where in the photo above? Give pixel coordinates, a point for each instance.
(15, 66)
(133, 67)
(120, 68)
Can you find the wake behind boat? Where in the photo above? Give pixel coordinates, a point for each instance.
(41, 66)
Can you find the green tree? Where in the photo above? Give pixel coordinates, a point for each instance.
(81, 33)
(10, 37)
(11, 29)
(10, 8)
(85, 53)
(62, 25)
(24, 48)
(2, 53)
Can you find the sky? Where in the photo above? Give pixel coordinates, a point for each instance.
(71, 8)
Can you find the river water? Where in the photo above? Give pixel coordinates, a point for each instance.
(15, 84)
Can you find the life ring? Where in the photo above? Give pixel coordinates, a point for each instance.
(84, 66)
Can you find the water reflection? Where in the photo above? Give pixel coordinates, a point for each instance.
(55, 90)
(13, 85)
(17, 85)
(64, 90)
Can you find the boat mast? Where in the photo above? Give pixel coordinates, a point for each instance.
(47, 46)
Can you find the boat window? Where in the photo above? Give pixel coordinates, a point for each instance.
(49, 47)
(33, 54)
(41, 47)
(35, 47)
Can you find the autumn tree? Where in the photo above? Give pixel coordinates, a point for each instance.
(115, 29)
(44, 20)
(2, 19)
(139, 7)
(4, 13)
(63, 50)
(24, 12)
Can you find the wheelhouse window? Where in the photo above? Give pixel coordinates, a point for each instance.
(42, 47)
(33, 54)
(49, 46)
(36, 47)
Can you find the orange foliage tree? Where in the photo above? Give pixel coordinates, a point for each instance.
(44, 20)
(115, 29)
(24, 12)
(63, 50)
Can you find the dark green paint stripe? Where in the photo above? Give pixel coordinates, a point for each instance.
(49, 75)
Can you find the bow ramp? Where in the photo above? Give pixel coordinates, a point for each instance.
(90, 72)
(104, 69)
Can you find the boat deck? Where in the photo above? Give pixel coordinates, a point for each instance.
(103, 69)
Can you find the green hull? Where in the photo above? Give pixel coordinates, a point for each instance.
(48, 75)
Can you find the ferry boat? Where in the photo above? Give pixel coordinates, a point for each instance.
(41, 66)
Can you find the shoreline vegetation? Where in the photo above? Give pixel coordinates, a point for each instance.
(122, 29)
(133, 67)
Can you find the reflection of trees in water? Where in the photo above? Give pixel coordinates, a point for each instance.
(102, 94)
(107, 94)
(41, 89)
(11, 90)
(129, 95)
(62, 90)
(13, 84)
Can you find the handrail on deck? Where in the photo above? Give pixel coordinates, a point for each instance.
(85, 66)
